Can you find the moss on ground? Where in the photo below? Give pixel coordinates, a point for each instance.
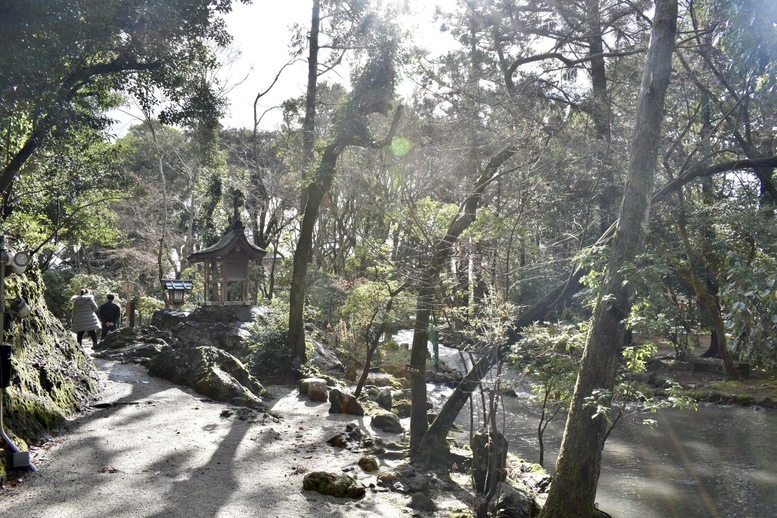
(760, 388)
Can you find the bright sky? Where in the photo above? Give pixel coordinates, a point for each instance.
(262, 32)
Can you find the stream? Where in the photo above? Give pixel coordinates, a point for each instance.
(716, 462)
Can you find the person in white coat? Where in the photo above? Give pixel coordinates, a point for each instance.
(84, 319)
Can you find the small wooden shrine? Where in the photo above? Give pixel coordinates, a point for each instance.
(226, 267)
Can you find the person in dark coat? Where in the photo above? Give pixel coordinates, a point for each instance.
(110, 314)
(84, 319)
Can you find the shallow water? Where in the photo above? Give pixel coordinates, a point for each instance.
(716, 462)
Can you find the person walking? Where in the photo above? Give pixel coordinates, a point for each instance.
(109, 314)
(83, 319)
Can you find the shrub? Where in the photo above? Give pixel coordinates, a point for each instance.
(269, 353)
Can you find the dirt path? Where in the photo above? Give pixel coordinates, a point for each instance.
(154, 449)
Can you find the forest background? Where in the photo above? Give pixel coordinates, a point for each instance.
(484, 200)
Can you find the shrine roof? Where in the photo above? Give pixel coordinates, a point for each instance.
(234, 241)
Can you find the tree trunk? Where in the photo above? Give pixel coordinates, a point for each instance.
(325, 173)
(309, 123)
(713, 351)
(371, 94)
(573, 491)
(600, 113)
(434, 447)
(426, 291)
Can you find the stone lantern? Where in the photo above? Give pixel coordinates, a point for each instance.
(226, 267)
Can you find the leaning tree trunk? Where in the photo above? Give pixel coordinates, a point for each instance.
(372, 93)
(573, 491)
(426, 291)
(434, 446)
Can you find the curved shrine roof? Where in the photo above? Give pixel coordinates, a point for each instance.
(234, 241)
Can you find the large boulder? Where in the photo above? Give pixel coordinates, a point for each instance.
(350, 437)
(315, 388)
(344, 403)
(421, 502)
(211, 372)
(317, 391)
(230, 328)
(386, 421)
(385, 400)
(369, 463)
(324, 359)
(379, 379)
(135, 344)
(513, 502)
(198, 349)
(402, 408)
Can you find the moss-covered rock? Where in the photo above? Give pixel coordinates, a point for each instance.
(134, 344)
(52, 376)
(211, 372)
(387, 422)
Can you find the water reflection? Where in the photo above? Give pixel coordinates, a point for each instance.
(715, 462)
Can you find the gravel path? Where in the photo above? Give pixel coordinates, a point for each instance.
(154, 449)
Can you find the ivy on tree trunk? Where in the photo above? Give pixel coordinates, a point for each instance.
(573, 491)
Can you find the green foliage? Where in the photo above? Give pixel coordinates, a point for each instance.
(662, 305)
(269, 351)
(748, 32)
(599, 401)
(750, 295)
(197, 275)
(326, 294)
(63, 198)
(428, 220)
(98, 287)
(65, 60)
(369, 298)
(147, 305)
(549, 354)
(211, 198)
(363, 312)
(593, 260)
(628, 389)
(636, 357)
(542, 344)
(57, 284)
